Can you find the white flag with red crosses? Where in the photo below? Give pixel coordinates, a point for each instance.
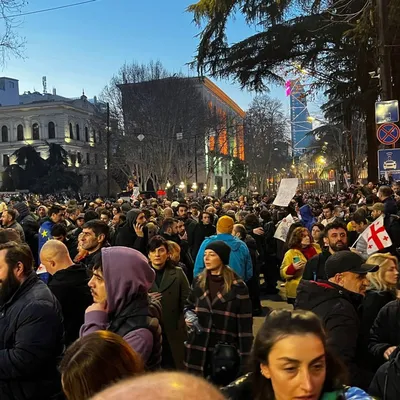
(376, 236)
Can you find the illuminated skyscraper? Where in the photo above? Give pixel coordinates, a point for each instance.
(299, 117)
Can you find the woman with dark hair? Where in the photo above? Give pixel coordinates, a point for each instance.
(95, 361)
(219, 313)
(317, 233)
(171, 288)
(301, 249)
(290, 361)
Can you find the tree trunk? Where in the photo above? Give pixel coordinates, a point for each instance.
(372, 152)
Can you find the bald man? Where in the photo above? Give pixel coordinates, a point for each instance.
(69, 283)
(162, 386)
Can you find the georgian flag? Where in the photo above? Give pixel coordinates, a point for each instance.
(376, 236)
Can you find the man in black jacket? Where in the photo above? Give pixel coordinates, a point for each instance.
(335, 236)
(336, 302)
(31, 329)
(69, 284)
(190, 226)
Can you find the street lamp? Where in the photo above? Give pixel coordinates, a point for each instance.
(168, 185)
(181, 186)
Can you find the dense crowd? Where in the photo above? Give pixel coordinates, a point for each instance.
(100, 292)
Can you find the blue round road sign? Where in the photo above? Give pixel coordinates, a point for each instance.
(388, 133)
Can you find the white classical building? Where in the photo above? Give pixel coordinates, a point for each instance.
(39, 118)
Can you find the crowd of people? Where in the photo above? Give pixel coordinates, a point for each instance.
(94, 293)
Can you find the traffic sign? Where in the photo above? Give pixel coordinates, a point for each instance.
(388, 133)
(389, 163)
(386, 112)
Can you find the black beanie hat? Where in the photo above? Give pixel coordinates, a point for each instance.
(222, 249)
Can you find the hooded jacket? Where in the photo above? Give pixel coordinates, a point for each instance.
(128, 278)
(126, 235)
(239, 259)
(337, 309)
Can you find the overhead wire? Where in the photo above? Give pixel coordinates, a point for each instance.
(49, 9)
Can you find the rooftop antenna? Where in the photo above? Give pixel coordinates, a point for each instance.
(44, 81)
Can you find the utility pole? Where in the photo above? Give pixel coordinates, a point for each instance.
(108, 151)
(384, 50)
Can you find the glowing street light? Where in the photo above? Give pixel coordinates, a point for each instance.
(181, 186)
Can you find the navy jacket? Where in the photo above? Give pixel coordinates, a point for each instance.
(31, 342)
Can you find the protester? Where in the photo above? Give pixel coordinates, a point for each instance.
(119, 285)
(94, 237)
(219, 310)
(301, 249)
(9, 220)
(317, 233)
(133, 233)
(55, 215)
(96, 361)
(171, 288)
(291, 360)
(69, 284)
(336, 301)
(239, 260)
(381, 290)
(30, 327)
(335, 236)
(162, 386)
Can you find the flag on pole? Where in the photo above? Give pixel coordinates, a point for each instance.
(376, 236)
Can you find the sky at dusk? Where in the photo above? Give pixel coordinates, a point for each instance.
(82, 47)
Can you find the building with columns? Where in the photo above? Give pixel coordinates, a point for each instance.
(40, 118)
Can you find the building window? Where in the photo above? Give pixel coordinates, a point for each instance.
(20, 133)
(52, 130)
(4, 134)
(86, 134)
(95, 158)
(79, 158)
(94, 136)
(77, 132)
(88, 158)
(71, 131)
(35, 131)
(73, 159)
(6, 160)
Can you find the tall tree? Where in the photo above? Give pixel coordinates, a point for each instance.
(336, 42)
(266, 140)
(10, 42)
(163, 120)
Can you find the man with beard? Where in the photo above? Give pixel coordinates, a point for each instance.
(31, 329)
(169, 230)
(335, 239)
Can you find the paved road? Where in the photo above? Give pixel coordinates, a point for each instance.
(274, 302)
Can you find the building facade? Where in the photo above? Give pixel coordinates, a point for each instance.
(210, 165)
(74, 124)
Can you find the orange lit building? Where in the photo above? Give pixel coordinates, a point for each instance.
(225, 141)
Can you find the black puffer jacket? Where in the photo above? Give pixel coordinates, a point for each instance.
(31, 342)
(385, 331)
(386, 382)
(337, 308)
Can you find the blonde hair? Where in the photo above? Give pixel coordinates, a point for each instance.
(174, 250)
(376, 279)
(227, 273)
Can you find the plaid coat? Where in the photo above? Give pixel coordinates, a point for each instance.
(227, 319)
